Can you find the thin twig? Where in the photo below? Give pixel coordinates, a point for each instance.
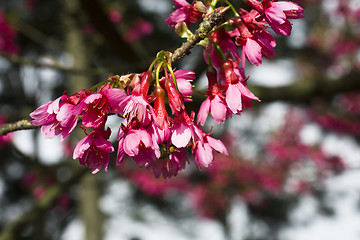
(204, 28)
(19, 125)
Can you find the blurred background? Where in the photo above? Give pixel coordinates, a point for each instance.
(294, 167)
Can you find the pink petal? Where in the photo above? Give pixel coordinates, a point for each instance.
(91, 98)
(282, 29)
(233, 99)
(65, 114)
(203, 155)
(48, 131)
(218, 109)
(120, 153)
(54, 106)
(185, 87)
(217, 145)
(181, 3)
(115, 96)
(81, 147)
(292, 10)
(131, 143)
(92, 119)
(181, 135)
(203, 111)
(253, 51)
(246, 92)
(275, 14)
(103, 144)
(145, 138)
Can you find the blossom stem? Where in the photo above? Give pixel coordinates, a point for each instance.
(233, 9)
(158, 74)
(218, 48)
(205, 26)
(225, 24)
(172, 74)
(213, 4)
(93, 88)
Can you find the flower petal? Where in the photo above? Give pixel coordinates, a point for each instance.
(203, 111)
(217, 145)
(181, 135)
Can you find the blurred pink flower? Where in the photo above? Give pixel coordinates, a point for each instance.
(7, 36)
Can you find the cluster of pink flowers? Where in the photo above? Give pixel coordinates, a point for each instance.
(153, 137)
(227, 92)
(147, 134)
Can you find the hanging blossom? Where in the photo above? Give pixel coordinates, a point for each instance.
(93, 108)
(185, 12)
(215, 103)
(56, 117)
(252, 36)
(277, 13)
(157, 129)
(93, 150)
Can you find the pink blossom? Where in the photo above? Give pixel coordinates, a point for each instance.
(136, 107)
(94, 107)
(203, 151)
(226, 44)
(56, 117)
(136, 141)
(183, 130)
(170, 163)
(231, 72)
(255, 41)
(185, 12)
(93, 150)
(184, 78)
(216, 106)
(238, 97)
(277, 13)
(215, 102)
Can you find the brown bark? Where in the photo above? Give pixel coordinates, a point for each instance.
(88, 194)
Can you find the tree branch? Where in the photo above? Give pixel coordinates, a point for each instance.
(204, 28)
(19, 125)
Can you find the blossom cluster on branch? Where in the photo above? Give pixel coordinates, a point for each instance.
(156, 127)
